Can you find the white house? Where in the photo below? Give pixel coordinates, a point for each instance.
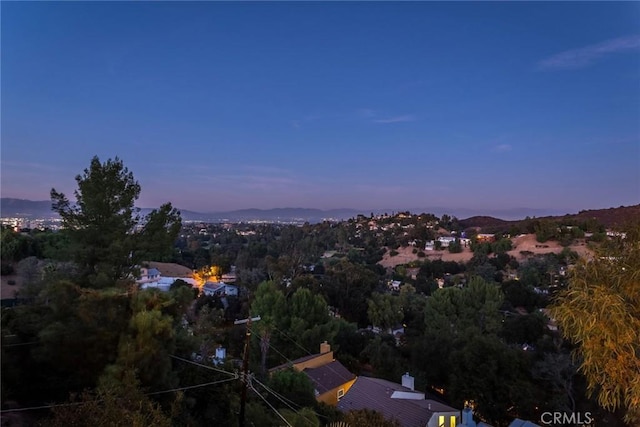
(151, 278)
(148, 275)
(164, 283)
(394, 285)
(445, 241)
(219, 289)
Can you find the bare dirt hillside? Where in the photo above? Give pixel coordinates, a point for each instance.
(405, 256)
(523, 243)
(528, 243)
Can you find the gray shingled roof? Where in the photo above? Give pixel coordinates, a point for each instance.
(329, 376)
(375, 393)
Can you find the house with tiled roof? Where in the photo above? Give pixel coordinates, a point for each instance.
(330, 379)
(399, 402)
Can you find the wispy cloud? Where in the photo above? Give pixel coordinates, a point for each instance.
(396, 119)
(502, 148)
(585, 56)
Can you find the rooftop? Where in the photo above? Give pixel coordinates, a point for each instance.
(413, 410)
(329, 376)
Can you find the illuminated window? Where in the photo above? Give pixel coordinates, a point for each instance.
(441, 421)
(453, 421)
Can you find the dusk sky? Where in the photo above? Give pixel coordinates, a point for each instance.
(217, 106)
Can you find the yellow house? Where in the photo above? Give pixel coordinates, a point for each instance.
(330, 378)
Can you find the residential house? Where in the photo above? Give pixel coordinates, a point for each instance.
(400, 402)
(445, 241)
(219, 289)
(151, 278)
(164, 283)
(467, 419)
(394, 285)
(330, 379)
(481, 238)
(148, 275)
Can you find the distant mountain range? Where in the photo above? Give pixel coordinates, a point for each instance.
(21, 208)
(26, 208)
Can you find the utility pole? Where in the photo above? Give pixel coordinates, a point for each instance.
(245, 365)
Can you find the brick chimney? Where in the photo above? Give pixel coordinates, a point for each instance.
(324, 348)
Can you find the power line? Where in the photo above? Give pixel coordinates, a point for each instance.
(275, 349)
(245, 366)
(234, 375)
(19, 344)
(279, 396)
(195, 386)
(269, 405)
(287, 401)
(294, 341)
(33, 408)
(205, 366)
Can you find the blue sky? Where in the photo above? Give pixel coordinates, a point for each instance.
(368, 105)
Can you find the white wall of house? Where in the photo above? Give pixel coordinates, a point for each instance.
(444, 419)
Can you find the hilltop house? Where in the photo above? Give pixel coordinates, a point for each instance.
(400, 402)
(329, 377)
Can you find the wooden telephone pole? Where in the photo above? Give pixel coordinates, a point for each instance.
(245, 365)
